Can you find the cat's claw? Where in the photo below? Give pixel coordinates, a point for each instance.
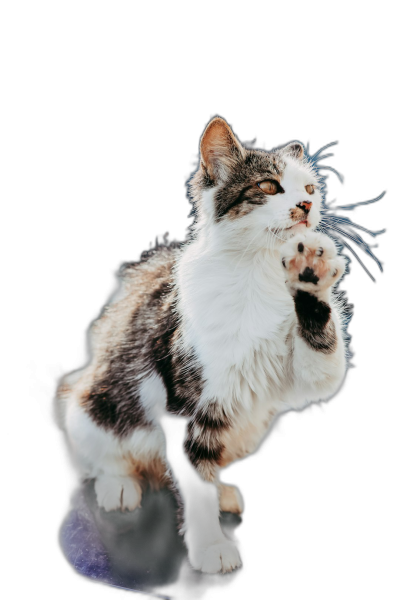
(311, 263)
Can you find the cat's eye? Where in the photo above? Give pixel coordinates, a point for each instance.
(270, 187)
(310, 189)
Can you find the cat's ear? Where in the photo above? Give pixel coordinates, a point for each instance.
(294, 149)
(220, 150)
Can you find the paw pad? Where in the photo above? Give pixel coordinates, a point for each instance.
(308, 276)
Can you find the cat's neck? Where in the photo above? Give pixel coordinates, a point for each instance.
(214, 276)
(238, 256)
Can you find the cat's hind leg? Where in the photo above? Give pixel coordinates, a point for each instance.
(117, 492)
(119, 465)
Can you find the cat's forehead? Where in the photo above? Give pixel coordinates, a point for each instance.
(276, 165)
(261, 161)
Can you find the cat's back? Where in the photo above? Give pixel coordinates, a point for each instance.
(121, 337)
(142, 283)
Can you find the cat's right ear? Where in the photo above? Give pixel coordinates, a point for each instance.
(294, 149)
(220, 150)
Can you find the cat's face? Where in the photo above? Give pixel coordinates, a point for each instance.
(253, 193)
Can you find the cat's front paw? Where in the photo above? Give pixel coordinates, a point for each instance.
(311, 263)
(221, 557)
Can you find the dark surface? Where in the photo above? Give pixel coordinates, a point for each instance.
(102, 156)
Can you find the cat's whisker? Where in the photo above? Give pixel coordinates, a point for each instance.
(277, 236)
(344, 243)
(347, 221)
(338, 175)
(332, 222)
(314, 156)
(324, 156)
(325, 207)
(357, 239)
(363, 203)
(353, 233)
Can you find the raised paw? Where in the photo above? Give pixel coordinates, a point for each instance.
(230, 499)
(311, 262)
(221, 557)
(117, 493)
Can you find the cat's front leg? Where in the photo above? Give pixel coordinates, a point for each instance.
(194, 467)
(312, 266)
(204, 448)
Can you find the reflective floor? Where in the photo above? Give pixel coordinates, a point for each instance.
(139, 550)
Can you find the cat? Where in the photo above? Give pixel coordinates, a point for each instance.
(230, 328)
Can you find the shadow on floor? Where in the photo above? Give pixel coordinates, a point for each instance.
(141, 551)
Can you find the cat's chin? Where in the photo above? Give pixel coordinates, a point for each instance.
(299, 227)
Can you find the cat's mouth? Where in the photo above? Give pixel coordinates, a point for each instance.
(303, 222)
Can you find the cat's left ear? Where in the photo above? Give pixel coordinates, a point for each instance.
(220, 150)
(294, 149)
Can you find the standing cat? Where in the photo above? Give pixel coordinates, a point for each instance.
(230, 328)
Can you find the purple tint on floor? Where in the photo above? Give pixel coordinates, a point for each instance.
(141, 551)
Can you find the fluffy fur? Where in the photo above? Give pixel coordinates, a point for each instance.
(228, 329)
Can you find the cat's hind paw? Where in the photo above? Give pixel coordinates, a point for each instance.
(117, 492)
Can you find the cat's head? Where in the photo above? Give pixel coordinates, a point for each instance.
(251, 193)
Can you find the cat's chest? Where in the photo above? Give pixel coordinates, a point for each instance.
(251, 382)
(236, 321)
(231, 326)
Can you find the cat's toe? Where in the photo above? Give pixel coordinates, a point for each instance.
(221, 558)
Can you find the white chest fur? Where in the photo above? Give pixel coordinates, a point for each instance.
(237, 314)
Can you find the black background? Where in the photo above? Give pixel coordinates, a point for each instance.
(107, 154)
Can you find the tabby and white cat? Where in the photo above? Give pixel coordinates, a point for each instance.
(229, 329)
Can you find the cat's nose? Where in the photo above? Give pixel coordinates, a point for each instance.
(305, 206)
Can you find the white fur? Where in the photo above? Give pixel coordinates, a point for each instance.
(153, 396)
(98, 451)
